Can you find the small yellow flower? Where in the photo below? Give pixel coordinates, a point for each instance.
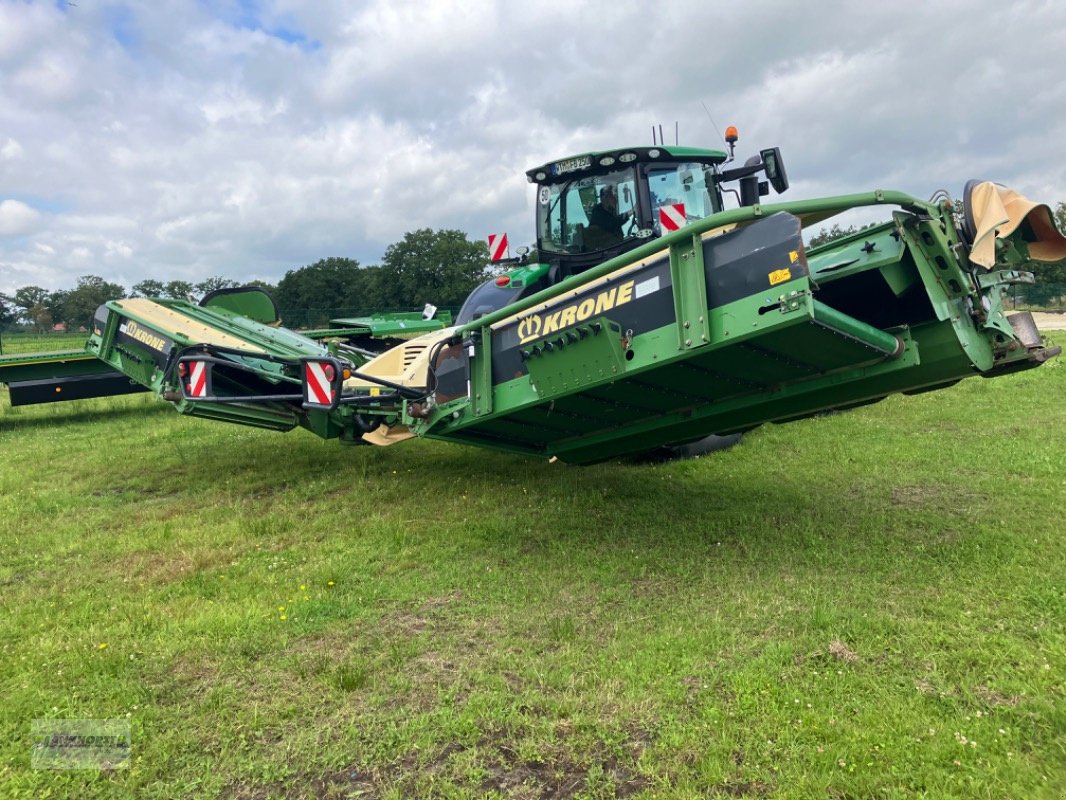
(303, 588)
(330, 583)
(281, 608)
(284, 617)
(102, 646)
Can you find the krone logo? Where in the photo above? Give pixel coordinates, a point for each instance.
(145, 337)
(529, 328)
(537, 325)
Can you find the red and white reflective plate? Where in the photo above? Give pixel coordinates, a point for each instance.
(672, 217)
(498, 246)
(318, 387)
(197, 386)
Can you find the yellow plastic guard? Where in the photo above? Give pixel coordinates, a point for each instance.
(998, 211)
(406, 364)
(383, 435)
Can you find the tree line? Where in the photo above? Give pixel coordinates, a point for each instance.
(426, 266)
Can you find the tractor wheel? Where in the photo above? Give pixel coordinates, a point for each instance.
(698, 447)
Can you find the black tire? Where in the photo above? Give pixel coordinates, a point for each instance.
(699, 447)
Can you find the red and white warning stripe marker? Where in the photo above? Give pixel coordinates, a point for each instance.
(498, 249)
(197, 386)
(672, 217)
(318, 382)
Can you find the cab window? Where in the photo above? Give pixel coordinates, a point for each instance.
(588, 214)
(686, 188)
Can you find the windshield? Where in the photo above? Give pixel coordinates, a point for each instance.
(679, 194)
(588, 214)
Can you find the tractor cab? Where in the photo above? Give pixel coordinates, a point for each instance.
(596, 206)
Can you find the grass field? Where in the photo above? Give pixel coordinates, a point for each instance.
(865, 605)
(20, 343)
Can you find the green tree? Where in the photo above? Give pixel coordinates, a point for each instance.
(179, 290)
(39, 316)
(269, 288)
(440, 267)
(81, 302)
(8, 311)
(33, 307)
(148, 288)
(826, 235)
(213, 284)
(55, 304)
(29, 296)
(327, 285)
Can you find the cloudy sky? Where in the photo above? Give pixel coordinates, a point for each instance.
(183, 139)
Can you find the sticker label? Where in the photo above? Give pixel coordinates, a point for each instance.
(646, 287)
(780, 276)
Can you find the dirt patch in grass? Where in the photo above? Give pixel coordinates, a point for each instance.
(564, 771)
(841, 652)
(16, 578)
(915, 495)
(149, 566)
(742, 789)
(994, 698)
(492, 764)
(988, 696)
(412, 623)
(364, 636)
(926, 495)
(407, 658)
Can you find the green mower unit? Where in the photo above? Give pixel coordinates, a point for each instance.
(649, 315)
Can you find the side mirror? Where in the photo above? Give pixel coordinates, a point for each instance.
(775, 169)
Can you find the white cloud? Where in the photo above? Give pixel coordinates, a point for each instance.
(120, 250)
(10, 150)
(17, 218)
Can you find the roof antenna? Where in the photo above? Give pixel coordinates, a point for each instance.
(677, 142)
(653, 141)
(662, 140)
(713, 125)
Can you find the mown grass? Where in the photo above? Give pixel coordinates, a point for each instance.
(21, 343)
(865, 605)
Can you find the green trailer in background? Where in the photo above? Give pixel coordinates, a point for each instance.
(648, 316)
